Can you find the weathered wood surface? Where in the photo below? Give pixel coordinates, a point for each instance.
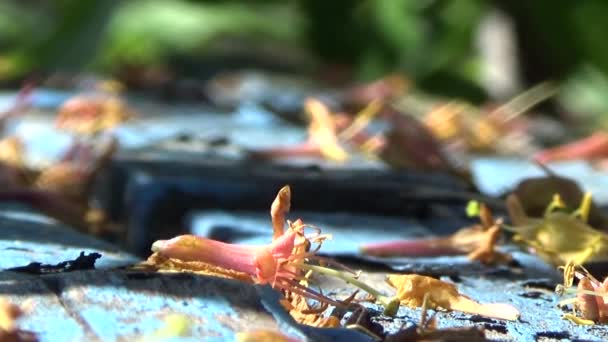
(529, 285)
(111, 303)
(122, 306)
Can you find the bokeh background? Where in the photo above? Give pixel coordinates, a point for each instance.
(474, 49)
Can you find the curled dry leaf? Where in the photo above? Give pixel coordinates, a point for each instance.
(558, 237)
(304, 313)
(478, 242)
(412, 288)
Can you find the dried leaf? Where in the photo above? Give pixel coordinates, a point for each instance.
(322, 130)
(160, 263)
(304, 313)
(412, 288)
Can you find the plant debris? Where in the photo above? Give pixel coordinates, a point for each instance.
(478, 242)
(593, 147)
(427, 330)
(9, 331)
(591, 301)
(500, 129)
(82, 263)
(412, 289)
(283, 263)
(330, 135)
(92, 114)
(558, 237)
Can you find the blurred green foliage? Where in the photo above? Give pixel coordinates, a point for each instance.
(431, 41)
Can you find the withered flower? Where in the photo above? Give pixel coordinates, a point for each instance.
(591, 301)
(283, 264)
(478, 242)
(279, 263)
(331, 134)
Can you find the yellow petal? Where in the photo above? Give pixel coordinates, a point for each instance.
(322, 130)
(577, 320)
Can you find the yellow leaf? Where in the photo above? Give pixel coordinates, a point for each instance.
(577, 320)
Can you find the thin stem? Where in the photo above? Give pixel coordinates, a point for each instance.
(587, 292)
(391, 305)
